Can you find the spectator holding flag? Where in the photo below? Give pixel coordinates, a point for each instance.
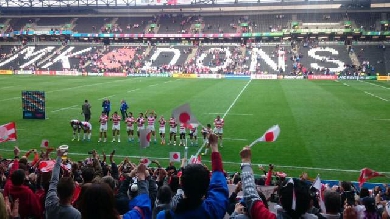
(203, 197)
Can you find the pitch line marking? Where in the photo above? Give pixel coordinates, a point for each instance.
(383, 119)
(65, 108)
(69, 88)
(132, 90)
(232, 114)
(152, 85)
(345, 84)
(228, 162)
(227, 111)
(373, 95)
(106, 97)
(387, 88)
(236, 139)
(7, 87)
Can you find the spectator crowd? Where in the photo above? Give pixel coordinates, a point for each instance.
(96, 188)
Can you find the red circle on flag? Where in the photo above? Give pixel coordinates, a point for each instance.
(269, 136)
(175, 156)
(184, 117)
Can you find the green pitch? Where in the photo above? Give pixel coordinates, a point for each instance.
(327, 125)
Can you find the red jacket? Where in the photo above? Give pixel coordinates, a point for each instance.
(259, 210)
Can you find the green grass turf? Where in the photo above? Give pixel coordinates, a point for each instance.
(324, 124)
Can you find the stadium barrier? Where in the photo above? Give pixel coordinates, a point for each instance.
(383, 78)
(356, 77)
(68, 73)
(6, 72)
(162, 75)
(209, 76)
(322, 77)
(114, 74)
(295, 77)
(23, 72)
(44, 72)
(246, 77)
(264, 77)
(184, 75)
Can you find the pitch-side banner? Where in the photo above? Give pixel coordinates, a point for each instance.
(113, 74)
(264, 77)
(184, 75)
(383, 78)
(322, 77)
(293, 77)
(357, 77)
(210, 76)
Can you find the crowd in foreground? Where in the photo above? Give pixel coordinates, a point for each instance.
(99, 189)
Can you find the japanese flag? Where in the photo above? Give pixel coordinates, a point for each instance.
(44, 143)
(144, 135)
(8, 132)
(174, 156)
(46, 166)
(269, 136)
(146, 161)
(195, 160)
(182, 114)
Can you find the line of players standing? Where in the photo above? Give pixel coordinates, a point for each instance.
(143, 121)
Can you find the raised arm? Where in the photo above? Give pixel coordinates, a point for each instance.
(51, 197)
(256, 207)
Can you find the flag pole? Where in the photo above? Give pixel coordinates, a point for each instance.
(253, 143)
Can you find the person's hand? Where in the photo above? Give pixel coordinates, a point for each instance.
(349, 212)
(94, 154)
(261, 167)
(141, 169)
(213, 140)
(246, 155)
(16, 151)
(12, 211)
(60, 152)
(239, 187)
(239, 208)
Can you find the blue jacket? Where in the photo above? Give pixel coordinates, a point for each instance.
(124, 106)
(106, 106)
(214, 206)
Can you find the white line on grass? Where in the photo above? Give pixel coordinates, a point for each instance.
(336, 81)
(132, 90)
(152, 85)
(373, 95)
(65, 108)
(232, 114)
(235, 100)
(387, 88)
(106, 97)
(345, 84)
(227, 111)
(383, 119)
(227, 162)
(236, 139)
(69, 88)
(7, 87)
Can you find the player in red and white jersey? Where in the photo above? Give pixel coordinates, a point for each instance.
(103, 127)
(151, 119)
(140, 123)
(172, 130)
(206, 131)
(194, 135)
(130, 126)
(162, 129)
(75, 124)
(87, 127)
(218, 130)
(182, 132)
(116, 126)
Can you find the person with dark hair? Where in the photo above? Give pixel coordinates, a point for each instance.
(97, 202)
(106, 105)
(163, 201)
(252, 200)
(203, 197)
(332, 201)
(88, 174)
(59, 197)
(86, 110)
(15, 190)
(140, 206)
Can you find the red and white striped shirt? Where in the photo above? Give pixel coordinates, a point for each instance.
(218, 123)
(116, 119)
(140, 121)
(130, 121)
(182, 127)
(172, 123)
(151, 120)
(162, 123)
(103, 119)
